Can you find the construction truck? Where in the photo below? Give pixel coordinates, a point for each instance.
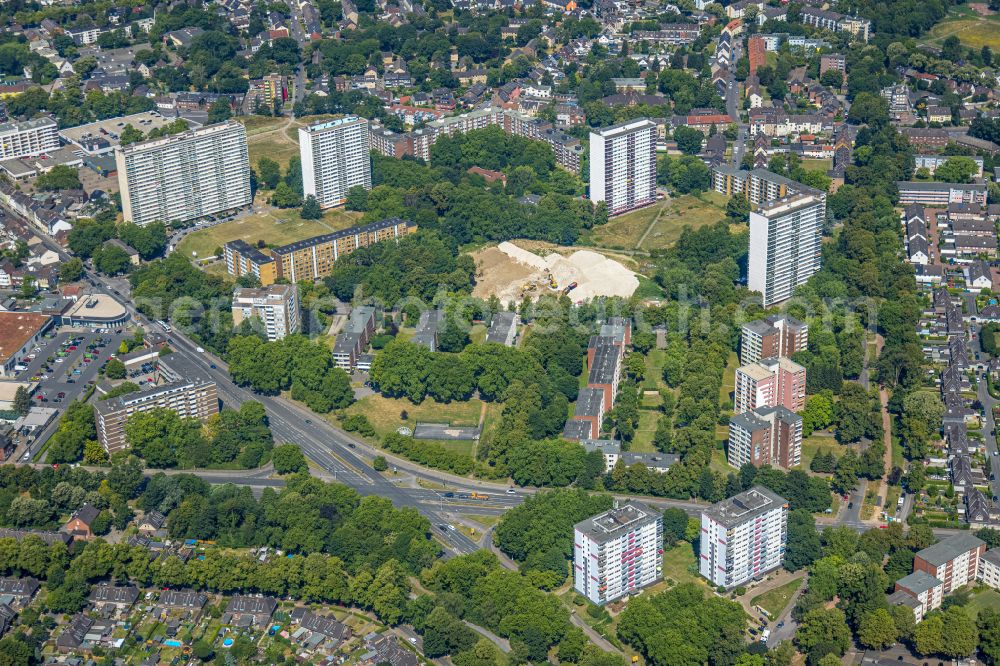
(479, 496)
(570, 287)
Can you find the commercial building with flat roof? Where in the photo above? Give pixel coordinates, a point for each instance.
(617, 552)
(743, 538)
(276, 306)
(19, 331)
(335, 158)
(197, 400)
(103, 136)
(28, 138)
(185, 176)
(940, 195)
(623, 165)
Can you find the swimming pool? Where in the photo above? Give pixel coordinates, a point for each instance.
(172, 643)
(228, 642)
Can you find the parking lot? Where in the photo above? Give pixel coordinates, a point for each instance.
(63, 365)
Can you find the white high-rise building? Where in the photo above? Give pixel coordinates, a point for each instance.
(743, 537)
(276, 306)
(335, 158)
(28, 138)
(785, 245)
(623, 165)
(617, 552)
(186, 176)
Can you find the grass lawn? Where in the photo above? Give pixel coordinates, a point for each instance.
(384, 412)
(972, 29)
(719, 462)
(670, 217)
(485, 521)
(464, 446)
(814, 444)
(729, 378)
(274, 227)
(676, 564)
(643, 441)
(985, 598)
(774, 601)
(823, 165)
(654, 370)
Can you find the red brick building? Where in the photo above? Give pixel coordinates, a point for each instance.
(757, 53)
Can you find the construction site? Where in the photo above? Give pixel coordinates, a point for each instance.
(512, 273)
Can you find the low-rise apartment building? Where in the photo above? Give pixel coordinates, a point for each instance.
(312, 258)
(354, 338)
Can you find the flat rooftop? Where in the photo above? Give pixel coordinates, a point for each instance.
(97, 307)
(741, 508)
(16, 328)
(111, 128)
(617, 522)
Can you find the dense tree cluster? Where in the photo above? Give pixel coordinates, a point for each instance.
(293, 363)
(684, 626)
(230, 438)
(538, 533)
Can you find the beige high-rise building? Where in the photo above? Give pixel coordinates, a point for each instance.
(186, 176)
(276, 306)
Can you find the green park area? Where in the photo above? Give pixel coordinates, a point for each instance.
(273, 226)
(275, 138)
(660, 225)
(971, 28)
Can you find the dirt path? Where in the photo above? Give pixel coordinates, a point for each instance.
(649, 229)
(883, 486)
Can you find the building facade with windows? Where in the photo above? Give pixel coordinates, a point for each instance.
(775, 335)
(769, 383)
(617, 552)
(768, 436)
(197, 400)
(186, 176)
(623, 165)
(744, 537)
(335, 158)
(276, 306)
(28, 138)
(785, 237)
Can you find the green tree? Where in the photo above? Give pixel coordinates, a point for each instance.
(824, 626)
(70, 270)
(22, 401)
(311, 209)
(357, 198)
(111, 260)
(738, 209)
(285, 197)
(877, 629)
(688, 140)
(956, 170)
(59, 177)
(219, 111)
(379, 464)
(269, 172)
(115, 369)
(130, 135)
(288, 459)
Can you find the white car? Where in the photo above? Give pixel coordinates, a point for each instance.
(200, 350)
